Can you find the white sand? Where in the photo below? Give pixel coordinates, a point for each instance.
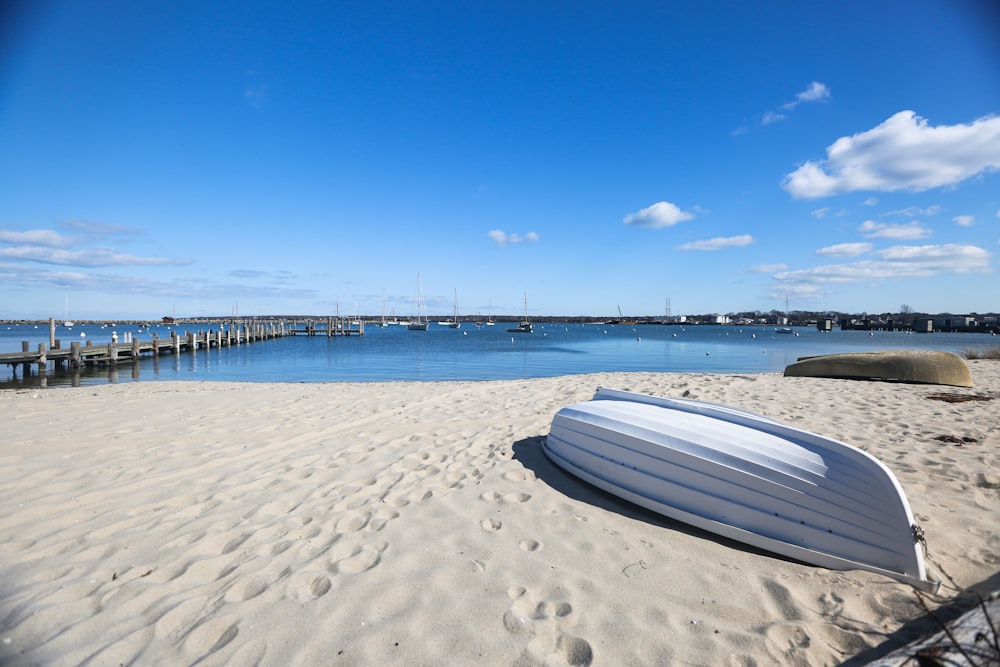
(419, 523)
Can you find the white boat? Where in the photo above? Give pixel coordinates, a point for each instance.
(454, 324)
(744, 477)
(66, 321)
(419, 324)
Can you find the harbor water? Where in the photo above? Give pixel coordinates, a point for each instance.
(471, 352)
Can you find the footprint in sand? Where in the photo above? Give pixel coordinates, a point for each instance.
(519, 476)
(508, 499)
(542, 622)
(308, 585)
(491, 525)
(529, 545)
(380, 518)
(354, 558)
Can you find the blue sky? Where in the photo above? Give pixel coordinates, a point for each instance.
(193, 158)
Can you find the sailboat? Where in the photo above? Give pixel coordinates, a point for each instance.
(420, 324)
(66, 321)
(784, 329)
(454, 324)
(383, 324)
(525, 325)
(489, 318)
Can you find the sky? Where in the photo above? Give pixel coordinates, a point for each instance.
(584, 158)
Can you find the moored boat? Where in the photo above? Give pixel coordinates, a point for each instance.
(524, 326)
(419, 324)
(744, 477)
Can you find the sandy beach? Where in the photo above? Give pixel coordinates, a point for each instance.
(177, 523)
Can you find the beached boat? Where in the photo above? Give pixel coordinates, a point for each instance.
(744, 477)
(916, 366)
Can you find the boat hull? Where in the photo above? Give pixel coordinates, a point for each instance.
(917, 366)
(745, 477)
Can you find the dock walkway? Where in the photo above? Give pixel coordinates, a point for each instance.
(115, 353)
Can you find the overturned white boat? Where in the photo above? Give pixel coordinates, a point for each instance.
(744, 477)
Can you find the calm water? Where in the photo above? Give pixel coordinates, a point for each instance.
(470, 353)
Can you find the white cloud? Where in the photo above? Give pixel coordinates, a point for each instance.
(964, 220)
(41, 237)
(816, 92)
(98, 230)
(718, 243)
(503, 239)
(908, 232)
(768, 268)
(820, 213)
(903, 153)
(772, 117)
(110, 283)
(914, 211)
(871, 201)
(897, 262)
(91, 258)
(659, 215)
(845, 250)
(46, 246)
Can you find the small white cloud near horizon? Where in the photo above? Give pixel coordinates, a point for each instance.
(503, 239)
(95, 257)
(659, 215)
(37, 237)
(767, 268)
(719, 243)
(964, 220)
(896, 262)
(902, 153)
(911, 231)
(47, 246)
(845, 250)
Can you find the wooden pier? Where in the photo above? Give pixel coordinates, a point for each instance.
(115, 353)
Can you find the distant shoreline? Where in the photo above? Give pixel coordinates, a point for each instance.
(988, 323)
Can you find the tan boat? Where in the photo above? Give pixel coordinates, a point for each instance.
(917, 366)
